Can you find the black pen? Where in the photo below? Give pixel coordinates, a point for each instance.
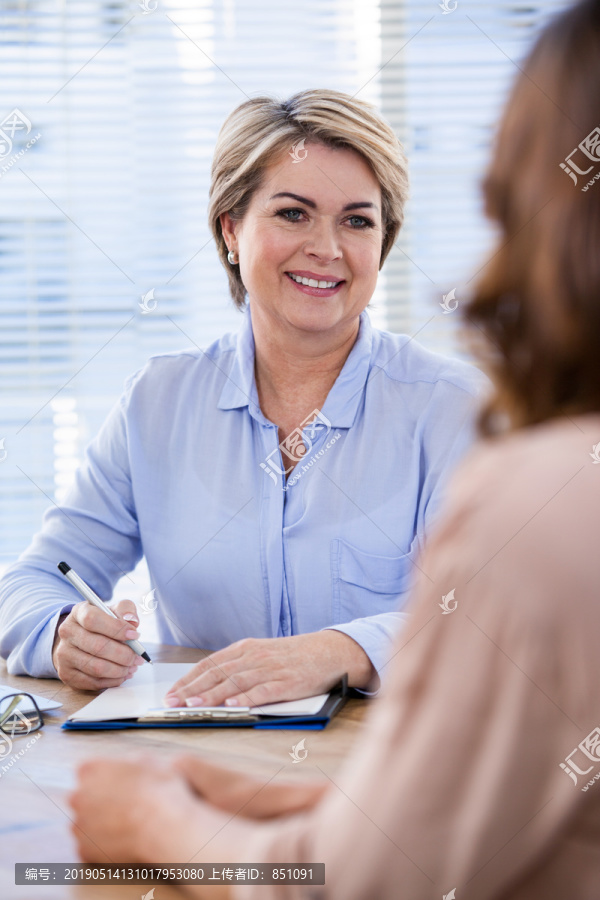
(88, 594)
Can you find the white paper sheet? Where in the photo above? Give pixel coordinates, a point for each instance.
(43, 703)
(147, 689)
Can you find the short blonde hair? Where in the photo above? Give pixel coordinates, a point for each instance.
(257, 132)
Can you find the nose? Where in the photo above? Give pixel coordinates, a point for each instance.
(324, 242)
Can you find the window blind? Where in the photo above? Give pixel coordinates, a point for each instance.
(444, 81)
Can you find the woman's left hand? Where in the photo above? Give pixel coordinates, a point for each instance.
(256, 671)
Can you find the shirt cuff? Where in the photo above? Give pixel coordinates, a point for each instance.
(34, 656)
(377, 636)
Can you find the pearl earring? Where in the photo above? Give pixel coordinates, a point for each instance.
(231, 257)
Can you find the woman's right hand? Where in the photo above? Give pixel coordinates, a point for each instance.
(247, 795)
(89, 652)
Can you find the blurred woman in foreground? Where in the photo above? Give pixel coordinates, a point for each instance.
(476, 773)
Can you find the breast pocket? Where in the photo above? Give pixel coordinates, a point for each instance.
(365, 584)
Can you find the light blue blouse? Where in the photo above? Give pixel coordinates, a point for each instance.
(187, 471)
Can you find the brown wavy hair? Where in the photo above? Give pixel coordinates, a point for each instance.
(534, 318)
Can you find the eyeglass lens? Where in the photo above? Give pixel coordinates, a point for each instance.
(18, 714)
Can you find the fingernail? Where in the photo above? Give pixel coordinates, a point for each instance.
(132, 671)
(172, 700)
(131, 635)
(139, 661)
(131, 617)
(194, 701)
(231, 701)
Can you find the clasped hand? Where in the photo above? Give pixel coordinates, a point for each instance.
(203, 810)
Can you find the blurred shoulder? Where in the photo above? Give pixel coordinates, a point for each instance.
(545, 472)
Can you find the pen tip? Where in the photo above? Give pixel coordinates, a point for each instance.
(146, 657)
(64, 568)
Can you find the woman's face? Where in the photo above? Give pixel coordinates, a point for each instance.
(314, 235)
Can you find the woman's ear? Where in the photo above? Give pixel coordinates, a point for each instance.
(228, 228)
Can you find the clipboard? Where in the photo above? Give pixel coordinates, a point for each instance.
(222, 717)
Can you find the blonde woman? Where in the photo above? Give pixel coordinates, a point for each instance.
(281, 482)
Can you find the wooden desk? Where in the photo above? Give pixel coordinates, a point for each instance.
(35, 821)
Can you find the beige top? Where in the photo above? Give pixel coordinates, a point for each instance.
(457, 782)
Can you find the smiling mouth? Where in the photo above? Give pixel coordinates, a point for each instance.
(312, 282)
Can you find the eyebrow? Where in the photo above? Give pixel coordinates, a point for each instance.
(312, 204)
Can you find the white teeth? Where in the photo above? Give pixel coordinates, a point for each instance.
(312, 283)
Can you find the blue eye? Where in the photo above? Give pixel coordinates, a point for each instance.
(368, 222)
(282, 213)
